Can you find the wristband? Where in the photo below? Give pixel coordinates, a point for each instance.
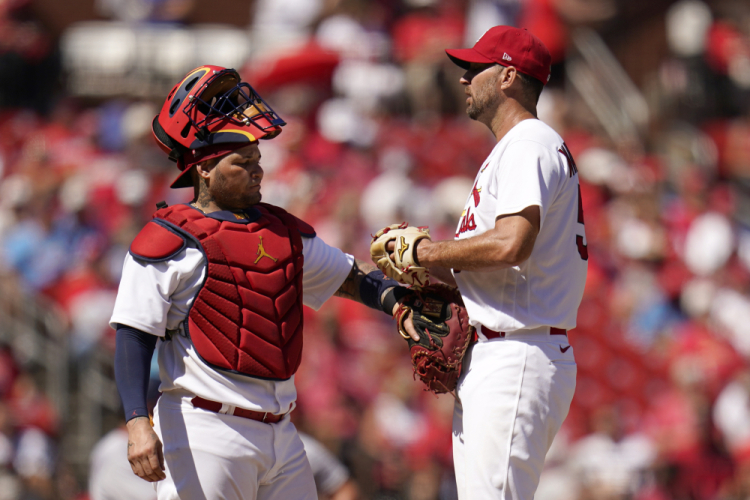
(372, 287)
(392, 297)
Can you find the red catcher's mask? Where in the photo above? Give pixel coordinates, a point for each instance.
(209, 113)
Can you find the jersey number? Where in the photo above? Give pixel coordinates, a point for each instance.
(583, 250)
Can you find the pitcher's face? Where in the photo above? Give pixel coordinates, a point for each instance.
(479, 83)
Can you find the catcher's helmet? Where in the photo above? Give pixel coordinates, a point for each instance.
(211, 111)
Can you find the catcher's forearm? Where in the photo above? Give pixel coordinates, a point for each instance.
(133, 351)
(351, 288)
(508, 244)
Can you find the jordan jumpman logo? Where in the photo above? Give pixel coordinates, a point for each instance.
(262, 252)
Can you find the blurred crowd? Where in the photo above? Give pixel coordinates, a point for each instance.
(377, 134)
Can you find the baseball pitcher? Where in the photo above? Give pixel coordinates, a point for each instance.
(519, 259)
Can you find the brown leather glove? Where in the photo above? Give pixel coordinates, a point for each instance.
(441, 320)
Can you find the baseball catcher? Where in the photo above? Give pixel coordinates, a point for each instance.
(219, 283)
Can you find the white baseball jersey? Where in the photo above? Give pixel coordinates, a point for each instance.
(155, 297)
(530, 166)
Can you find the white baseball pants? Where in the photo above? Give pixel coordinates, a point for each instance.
(512, 400)
(211, 456)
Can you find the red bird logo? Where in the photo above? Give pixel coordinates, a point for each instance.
(475, 193)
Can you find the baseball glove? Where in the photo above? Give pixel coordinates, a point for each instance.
(441, 320)
(404, 268)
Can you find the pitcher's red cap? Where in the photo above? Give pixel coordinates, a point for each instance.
(507, 46)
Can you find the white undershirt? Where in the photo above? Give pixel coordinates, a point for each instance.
(155, 297)
(527, 167)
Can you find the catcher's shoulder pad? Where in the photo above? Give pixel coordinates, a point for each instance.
(304, 228)
(156, 243)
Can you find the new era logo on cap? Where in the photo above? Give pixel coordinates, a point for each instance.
(507, 46)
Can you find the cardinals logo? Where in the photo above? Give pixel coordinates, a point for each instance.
(467, 222)
(475, 194)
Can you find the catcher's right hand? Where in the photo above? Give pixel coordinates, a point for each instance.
(404, 266)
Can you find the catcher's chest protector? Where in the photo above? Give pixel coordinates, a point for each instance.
(247, 316)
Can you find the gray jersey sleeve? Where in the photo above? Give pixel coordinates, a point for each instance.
(329, 473)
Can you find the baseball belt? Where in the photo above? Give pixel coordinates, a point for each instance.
(216, 407)
(492, 334)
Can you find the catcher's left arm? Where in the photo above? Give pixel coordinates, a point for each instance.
(351, 289)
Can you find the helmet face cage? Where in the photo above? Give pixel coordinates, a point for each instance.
(240, 105)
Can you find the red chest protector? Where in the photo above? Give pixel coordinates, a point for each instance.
(247, 315)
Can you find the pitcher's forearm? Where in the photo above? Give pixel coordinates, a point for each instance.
(507, 244)
(471, 254)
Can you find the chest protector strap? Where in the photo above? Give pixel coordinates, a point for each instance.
(247, 315)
